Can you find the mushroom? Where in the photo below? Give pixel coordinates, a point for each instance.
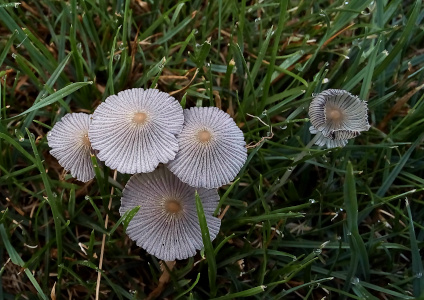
(71, 146)
(167, 225)
(338, 116)
(135, 130)
(212, 148)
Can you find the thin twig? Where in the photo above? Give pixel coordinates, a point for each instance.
(250, 146)
(99, 272)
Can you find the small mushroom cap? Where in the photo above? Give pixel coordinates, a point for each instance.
(166, 224)
(135, 130)
(212, 148)
(70, 145)
(338, 115)
(329, 143)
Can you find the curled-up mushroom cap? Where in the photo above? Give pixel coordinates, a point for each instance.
(338, 115)
(166, 224)
(135, 130)
(71, 146)
(212, 148)
(324, 141)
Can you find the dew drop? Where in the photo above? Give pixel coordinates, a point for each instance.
(317, 251)
(312, 201)
(257, 20)
(117, 57)
(355, 280)
(14, 55)
(264, 112)
(419, 275)
(87, 197)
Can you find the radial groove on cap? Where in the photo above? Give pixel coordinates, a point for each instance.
(166, 235)
(338, 116)
(69, 145)
(135, 130)
(212, 163)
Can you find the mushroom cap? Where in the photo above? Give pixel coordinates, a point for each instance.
(212, 148)
(338, 115)
(166, 224)
(70, 145)
(135, 130)
(324, 141)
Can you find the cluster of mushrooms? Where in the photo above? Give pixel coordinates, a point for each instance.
(173, 153)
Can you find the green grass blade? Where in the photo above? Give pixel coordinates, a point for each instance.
(209, 252)
(17, 260)
(417, 264)
(60, 94)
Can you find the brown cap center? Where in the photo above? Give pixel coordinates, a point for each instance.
(334, 114)
(86, 140)
(140, 118)
(204, 136)
(173, 206)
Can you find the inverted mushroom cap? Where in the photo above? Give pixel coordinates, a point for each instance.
(166, 224)
(324, 141)
(135, 130)
(71, 146)
(212, 148)
(338, 115)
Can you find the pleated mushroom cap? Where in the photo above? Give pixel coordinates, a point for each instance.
(166, 224)
(70, 145)
(339, 116)
(212, 148)
(135, 130)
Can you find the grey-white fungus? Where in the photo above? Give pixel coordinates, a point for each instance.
(70, 145)
(135, 130)
(338, 116)
(166, 224)
(212, 148)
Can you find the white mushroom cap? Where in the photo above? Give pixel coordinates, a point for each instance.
(339, 116)
(135, 130)
(71, 146)
(166, 224)
(212, 148)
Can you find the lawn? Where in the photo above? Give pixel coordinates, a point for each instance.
(300, 221)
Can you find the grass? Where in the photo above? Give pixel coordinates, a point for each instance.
(302, 222)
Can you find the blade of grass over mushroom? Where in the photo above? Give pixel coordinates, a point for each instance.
(125, 219)
(99, 175)
(209, 252)
(417, 264)
(17, 260)
(278, 31)
(60, 94)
